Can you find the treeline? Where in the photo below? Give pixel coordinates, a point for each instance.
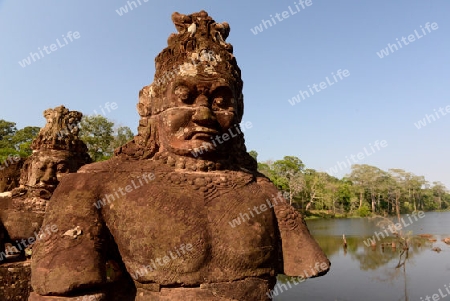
(15, 142)
(100, 135)
(365, 191)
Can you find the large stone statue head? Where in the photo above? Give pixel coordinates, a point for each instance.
(193, 108)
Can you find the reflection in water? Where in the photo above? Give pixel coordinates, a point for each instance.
(371, 258)
(376, 271)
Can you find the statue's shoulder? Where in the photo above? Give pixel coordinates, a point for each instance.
(119, 164)
(102, 166)
(265, 184)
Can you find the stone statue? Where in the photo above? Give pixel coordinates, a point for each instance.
(158, 221)
(56, 152)
(10, 173)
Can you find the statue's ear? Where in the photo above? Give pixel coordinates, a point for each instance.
(240, 107)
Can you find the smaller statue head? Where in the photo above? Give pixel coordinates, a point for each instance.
(56, 151)
(60, 132)
(46, 168)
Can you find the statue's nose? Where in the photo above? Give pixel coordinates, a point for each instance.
(49, 176)
(203, 114)
(202, 101)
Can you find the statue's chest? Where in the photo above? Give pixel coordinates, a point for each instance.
(218, 222)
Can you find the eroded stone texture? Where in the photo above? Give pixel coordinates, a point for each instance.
(57, 151)
(156, 221)
(61, 132)
(10, 175)
(15, 281)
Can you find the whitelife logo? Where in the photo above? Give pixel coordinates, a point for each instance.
(430, 118)
(147, 177)
(48, 50)
(25, 243)
(319, 87)
(124, 9)
(207, 146)
(394, 228)
(280, 17)
(341, 165)
(391, 48)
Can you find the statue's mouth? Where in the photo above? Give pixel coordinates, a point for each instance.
(202, 134)
(47, 185)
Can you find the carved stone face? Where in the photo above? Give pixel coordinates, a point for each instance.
(47, 169)
(199, 112)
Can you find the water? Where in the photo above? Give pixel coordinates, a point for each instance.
(374, 273)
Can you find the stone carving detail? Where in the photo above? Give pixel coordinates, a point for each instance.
(10, 175)
(57, 151)
(60, 132)
(193, 199)
(208, 67)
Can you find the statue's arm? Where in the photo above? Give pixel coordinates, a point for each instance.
(70, 259)
(302, 256)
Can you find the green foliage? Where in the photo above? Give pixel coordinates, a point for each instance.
(286, 169)
(266, 169)
(5, 152)
(344, 195)
(288, 166)
(123, 135)
(15, 142)
(22, 139)
(364, 210)
(367, 191)
(97, 132)
(286, 175)
(7, 130)
(254, 154)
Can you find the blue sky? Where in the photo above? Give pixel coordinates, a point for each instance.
(381, 99)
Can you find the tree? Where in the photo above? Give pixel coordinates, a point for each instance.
(97, 132)
(254, 154)
(314, 187)
(266, 169)
(7, 131)
(123, 135)
(439, 191)
(289, 176)
(367, 179)
(368, 190)
(16, 142)
(22, 139)
(286, 175)
(397, 187)
(345, 194)
(296, 183)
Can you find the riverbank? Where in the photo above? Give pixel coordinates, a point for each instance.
(325, 214)
(328, 214)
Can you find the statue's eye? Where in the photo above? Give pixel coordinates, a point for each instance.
(62, 168)
(219, 102)
(222, 99)
(183, 94)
